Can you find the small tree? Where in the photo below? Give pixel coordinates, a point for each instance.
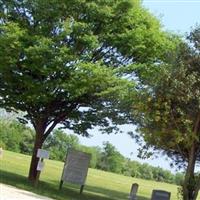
(58, 142)
(62, 62)
(111, 160)
(15, 136)
(95, 152)
(167, 110)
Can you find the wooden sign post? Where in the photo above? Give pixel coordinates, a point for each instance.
(76, 168)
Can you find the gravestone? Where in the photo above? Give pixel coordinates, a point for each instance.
(76, 168)
(133, 193)
(160, 195)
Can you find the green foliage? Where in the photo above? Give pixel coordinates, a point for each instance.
(167, 106)
(59, 56)
(95, 153)
(146, 171)
(58, 143)
(111, 159)
(65, 62)
(179, 178)
(19, 138)
(167, 110)
(131, 168)
(27, 141)
(100, 185)
(16, 137)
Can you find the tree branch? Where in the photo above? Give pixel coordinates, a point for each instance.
(57, 120)
(49, 130)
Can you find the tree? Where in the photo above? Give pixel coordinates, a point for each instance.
(146, 171)
(63, 62)
(111, 160)
(167, 110)
(135, 169)
(27, 141)
(15, 136)
(179, 178)
(58, 143)
(95, 154)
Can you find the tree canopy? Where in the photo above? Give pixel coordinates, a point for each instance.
(65, 62)
(167, 110)
(55, 57)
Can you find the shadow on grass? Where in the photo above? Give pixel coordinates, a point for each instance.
(69, 192)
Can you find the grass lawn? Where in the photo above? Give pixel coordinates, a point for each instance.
(99, 186)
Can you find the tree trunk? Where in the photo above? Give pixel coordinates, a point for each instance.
(34, 160)
(196, 193)
(189, 185)
(41, 135)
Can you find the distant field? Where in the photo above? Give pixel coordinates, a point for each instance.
(100, 185)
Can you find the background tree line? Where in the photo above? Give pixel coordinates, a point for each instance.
(20, 138)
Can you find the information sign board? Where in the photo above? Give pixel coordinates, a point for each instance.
(76, 167)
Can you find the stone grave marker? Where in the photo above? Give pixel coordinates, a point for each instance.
(160, 195)
(76, 168)
(133, 192)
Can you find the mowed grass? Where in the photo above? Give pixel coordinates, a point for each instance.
(100, 185)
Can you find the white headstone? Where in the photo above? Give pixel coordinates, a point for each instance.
(76, 167)
(41, 153)
(160, 195)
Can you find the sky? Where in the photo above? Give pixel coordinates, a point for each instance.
(177, 16)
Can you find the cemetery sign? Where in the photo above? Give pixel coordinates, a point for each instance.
(76, 168)
(41, 153)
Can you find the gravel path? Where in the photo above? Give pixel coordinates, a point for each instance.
(11, 193)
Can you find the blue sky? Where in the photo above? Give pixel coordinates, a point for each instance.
(177, 16)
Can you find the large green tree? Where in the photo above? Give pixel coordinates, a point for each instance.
(62, 61)
(167, 110)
